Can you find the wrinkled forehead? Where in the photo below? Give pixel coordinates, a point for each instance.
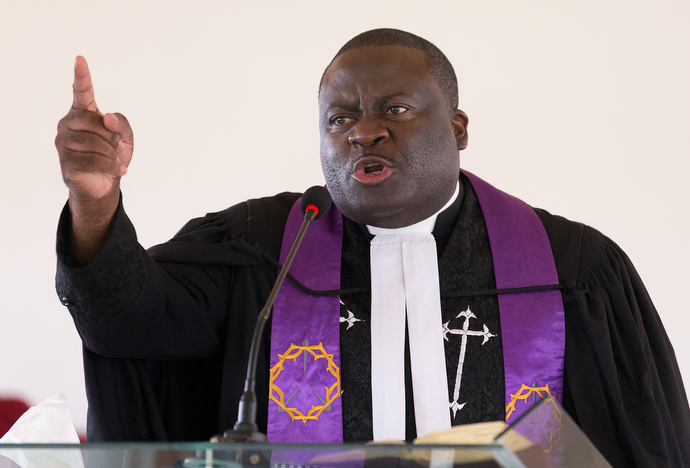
(385, 68)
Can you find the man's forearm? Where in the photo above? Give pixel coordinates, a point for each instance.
(90, 223)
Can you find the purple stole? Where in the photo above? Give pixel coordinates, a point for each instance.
(304, 391)
(532, 323)
(304, 395)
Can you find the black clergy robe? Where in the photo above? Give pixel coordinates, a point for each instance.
(166, 332)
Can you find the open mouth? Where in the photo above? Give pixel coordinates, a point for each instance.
(372, 170)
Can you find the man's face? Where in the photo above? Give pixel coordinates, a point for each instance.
(389, 143)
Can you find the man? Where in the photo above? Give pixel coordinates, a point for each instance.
(166, 332)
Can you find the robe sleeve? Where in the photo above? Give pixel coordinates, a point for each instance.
(623, 385)
(166, 332)
(168, 303)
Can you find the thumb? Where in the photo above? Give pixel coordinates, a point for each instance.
(123, 140)
(118, 123)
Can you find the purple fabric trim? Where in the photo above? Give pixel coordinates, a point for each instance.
(298, 316)
(532, 323)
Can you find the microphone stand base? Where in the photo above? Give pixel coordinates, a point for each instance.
(240, 436)
(229, 456)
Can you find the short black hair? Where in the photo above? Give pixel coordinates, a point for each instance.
(438, 64)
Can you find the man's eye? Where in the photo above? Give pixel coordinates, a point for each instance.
(340, 120)
(395, 110)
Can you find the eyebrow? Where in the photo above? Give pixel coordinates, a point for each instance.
(387, 97)
(391, 96)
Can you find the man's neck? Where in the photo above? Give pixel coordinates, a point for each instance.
(426, 225)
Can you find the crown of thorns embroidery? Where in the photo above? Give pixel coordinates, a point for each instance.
(277, 395)
(523, 395)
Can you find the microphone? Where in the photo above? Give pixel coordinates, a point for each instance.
(316, 202)
(317, 199)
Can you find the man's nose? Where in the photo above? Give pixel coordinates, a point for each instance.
(368, 131)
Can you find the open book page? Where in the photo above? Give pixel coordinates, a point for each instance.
(467, 440)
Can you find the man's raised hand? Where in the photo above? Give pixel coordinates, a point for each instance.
(95, 149)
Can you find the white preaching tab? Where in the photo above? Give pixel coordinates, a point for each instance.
(405, 286)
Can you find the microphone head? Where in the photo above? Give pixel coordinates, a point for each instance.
(318, 199)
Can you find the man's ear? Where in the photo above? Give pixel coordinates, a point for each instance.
(460, 122)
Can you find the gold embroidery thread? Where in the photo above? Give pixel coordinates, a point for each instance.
(276, 393)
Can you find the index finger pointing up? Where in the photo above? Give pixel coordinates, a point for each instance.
(82, 87)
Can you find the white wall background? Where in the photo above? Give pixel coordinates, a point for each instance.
(580, 107)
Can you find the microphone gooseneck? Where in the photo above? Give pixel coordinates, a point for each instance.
(316, 202)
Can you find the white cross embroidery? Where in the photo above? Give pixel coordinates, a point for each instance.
(350, 319)
(465, 332)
